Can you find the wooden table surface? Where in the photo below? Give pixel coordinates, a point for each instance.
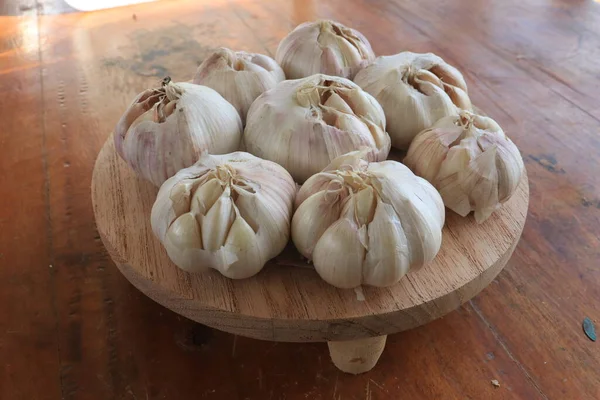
(71, 327)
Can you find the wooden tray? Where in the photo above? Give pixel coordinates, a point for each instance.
(287, 301)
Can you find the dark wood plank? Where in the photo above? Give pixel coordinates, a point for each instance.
(28, 335)
(532, 66)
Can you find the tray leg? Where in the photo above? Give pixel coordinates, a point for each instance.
(357, 356)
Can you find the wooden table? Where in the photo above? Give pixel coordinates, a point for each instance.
(72, 327)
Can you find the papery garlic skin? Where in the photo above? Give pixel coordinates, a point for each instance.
(303, 124)
(238, 76)
(470, 160)
(367, 223)
(166, 129)
(415, 90)
(227, 212)
(323, 47)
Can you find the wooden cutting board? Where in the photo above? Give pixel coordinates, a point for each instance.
(287, 301)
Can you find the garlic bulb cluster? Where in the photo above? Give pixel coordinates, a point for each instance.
(303, 124)
(324, 47)
(228, 212)
(360, 219)
(415, 90)
(238, 76)
(470, 160)
(166, 129)
(367, 223)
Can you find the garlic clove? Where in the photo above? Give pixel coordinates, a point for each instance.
(422, 76)
(315, 184)
(445, 72)
(418, 206)
(184, 232)
(509, 163)
(184, 235)
(206, 196)
(264, 213)
(433, 146)
(181, 197)
(242, 241)
(311, 220)
(339, 253)
(476, 185)
(388, 257)
(352, 123)
(485, 186)
(218, 221)
(338, 51)
(336, 102)
(458, 97)
(364, 203)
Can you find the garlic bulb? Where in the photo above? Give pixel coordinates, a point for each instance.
(238, 76)
(325, 47)
(367, 223)
(415, 90)
(166, 129)
(303, 124)
(470, 160)
(228, 212)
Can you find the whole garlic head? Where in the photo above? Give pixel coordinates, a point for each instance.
(470, 160)
(415, 90)
(303, 124)
(238, 76)
(325, 47)
(367, 223)
(166, 129)
(228, 212)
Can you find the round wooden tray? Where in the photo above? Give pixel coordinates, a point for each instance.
(287, 300)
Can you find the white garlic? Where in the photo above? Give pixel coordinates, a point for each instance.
(470, 160)
(227, 212)
(367, 223)
(325, 47)
(238, 76)
(166, 129)
(415, 90)
(303, 124)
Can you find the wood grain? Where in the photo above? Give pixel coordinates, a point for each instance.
(287, 301)
(531, 66)
(27, 320)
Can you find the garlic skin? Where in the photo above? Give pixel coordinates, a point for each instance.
(470, 160)
(238, 76)
(227, 212)
(415, 90)
(323, 47)
(367, 223)
(166, 129)
(303, 124)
